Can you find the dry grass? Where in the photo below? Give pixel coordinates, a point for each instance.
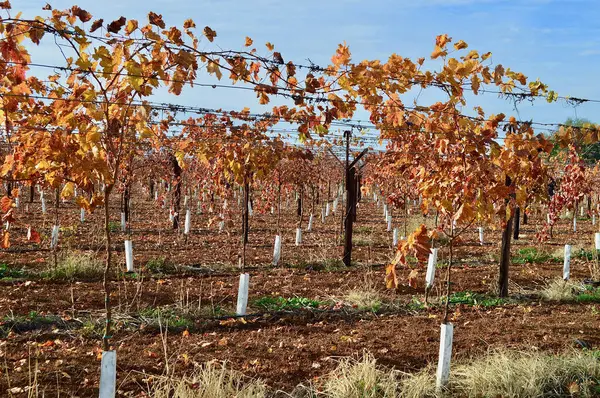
(74, 265)
(210, 381)
(415, 221)
(513, 374)
(359, 379)
(418, 385)
(501, 373)
(366, 297)
(561, 290)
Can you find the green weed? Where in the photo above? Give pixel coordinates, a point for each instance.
(160, 265)
(531, 255)
(114, 226)
(476, 299)
(166, 317)
(279, 303)
(7, 272)
(76, 266)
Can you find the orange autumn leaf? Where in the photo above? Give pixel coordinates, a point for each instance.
(417, 245)
(442, 40)
(459, 45)
(5, 243)
(5, 204)
(391, 279)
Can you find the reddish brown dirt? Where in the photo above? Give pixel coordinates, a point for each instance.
(283, 349)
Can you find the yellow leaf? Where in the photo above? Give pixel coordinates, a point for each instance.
(213, 69)
(459, 45)
(93, 136)
(180, 158)
(132, 25)
(68, 190)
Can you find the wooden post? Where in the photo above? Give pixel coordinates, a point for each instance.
(151, 193)
(245, 211)
(517, 223)
(505, 253)
(176, 192)
(349, 219)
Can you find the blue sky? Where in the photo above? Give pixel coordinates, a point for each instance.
(557, 41)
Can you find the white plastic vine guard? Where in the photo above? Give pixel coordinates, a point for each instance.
(431, 263)
(242, 300)
(277, 250)
(129, 256)
(567, 263)
(188, 221)
(445, 355)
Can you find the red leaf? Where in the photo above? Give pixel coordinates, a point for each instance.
(33, 236)
(156, 19)
(116, 25)
(83, 15)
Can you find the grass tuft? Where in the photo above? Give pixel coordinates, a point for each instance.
(360, 379)
(210, 381)
(418, 385)
(366, 297)
(76, 266)
(160, 266)
(512, 374)
(170, 318)
(561, 290)
(569, 291)
(531, 255)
